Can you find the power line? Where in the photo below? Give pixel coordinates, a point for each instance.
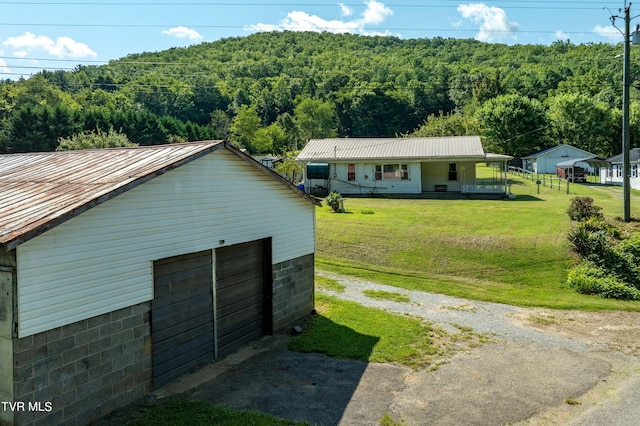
(292, 4)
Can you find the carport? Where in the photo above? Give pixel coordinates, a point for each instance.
(595, 162)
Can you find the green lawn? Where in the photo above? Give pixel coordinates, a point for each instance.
(346, 329)
(509, 251)
(180, 412)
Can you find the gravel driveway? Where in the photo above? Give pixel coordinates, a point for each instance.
(530, 374)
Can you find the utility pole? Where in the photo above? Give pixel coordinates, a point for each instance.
(626, 129)
(626, 133)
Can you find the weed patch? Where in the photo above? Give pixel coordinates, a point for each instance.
(387, 295)
(178, 412)
(328, 284)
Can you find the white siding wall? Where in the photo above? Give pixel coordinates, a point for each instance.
(101, 260)
(546, 163)
(614, 179)
(365, 182)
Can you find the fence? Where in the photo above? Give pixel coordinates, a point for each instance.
(550, 181)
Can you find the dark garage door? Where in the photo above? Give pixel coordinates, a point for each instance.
(243, 294)
(181, 315)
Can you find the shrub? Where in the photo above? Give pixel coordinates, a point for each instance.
(582, 208)
(588, 243)
(631, 246)
(588, 278)
(334, 201)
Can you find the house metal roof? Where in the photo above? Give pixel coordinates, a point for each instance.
(38, 191)
(592, 161)
(555, 148)
(437, 148)
(634, 157)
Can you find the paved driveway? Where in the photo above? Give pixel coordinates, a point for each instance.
(526, 375)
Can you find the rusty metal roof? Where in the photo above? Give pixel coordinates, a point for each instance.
(41, 190)
(436, 148)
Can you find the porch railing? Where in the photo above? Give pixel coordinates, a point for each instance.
(483, 189)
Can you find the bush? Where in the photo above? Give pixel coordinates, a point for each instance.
(582, 208)
(587, 242)
(631, 246)
(588, 278)
(334, 201)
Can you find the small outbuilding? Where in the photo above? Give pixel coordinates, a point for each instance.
(404, 166)
(123, 269)
(546, 160)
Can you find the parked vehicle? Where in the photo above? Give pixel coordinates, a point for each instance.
(572, 174)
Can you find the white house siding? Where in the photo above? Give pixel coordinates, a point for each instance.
(365, 182)
(613, 175)
(547, 162)
(101, 260)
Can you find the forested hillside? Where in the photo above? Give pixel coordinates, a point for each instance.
(270, 92)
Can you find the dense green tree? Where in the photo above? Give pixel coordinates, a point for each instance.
(269, 139)
(220, 123)
(377, 86)
(244, 127)
(37, 128)
(315, 119)
(579, 120)
(513, 125)
(448, 125)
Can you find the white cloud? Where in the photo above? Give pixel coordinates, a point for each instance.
(183, 32)
(561, 35)
(608, 32)
(66, 47)
(3, 68)
(375, 13)
(346, 10)
(494, 23)
(63, 47)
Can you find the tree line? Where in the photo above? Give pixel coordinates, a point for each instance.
(271, 92)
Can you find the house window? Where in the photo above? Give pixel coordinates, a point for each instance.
(392, 172)
(453, 171)
(351, 172)
(618, 171)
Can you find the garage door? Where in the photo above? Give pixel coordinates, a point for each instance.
(181, 315)
(243, 294)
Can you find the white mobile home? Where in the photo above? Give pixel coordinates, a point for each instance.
(399, 166)
(613, 175)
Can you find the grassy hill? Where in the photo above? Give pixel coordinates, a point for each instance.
(509, 251)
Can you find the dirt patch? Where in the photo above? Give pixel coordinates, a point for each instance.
(619, 331)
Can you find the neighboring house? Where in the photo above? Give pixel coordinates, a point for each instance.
(399, 165)
(266, 160)
(546, 160)
(613, 175)
(123, 269)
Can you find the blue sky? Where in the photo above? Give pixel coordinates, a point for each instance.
(37, 35)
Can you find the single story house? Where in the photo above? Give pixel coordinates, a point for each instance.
(546, 160)
(614, 176)
(123, 269)
(422, 165)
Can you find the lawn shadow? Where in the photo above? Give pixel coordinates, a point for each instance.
(525, 198)
(306, 387)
